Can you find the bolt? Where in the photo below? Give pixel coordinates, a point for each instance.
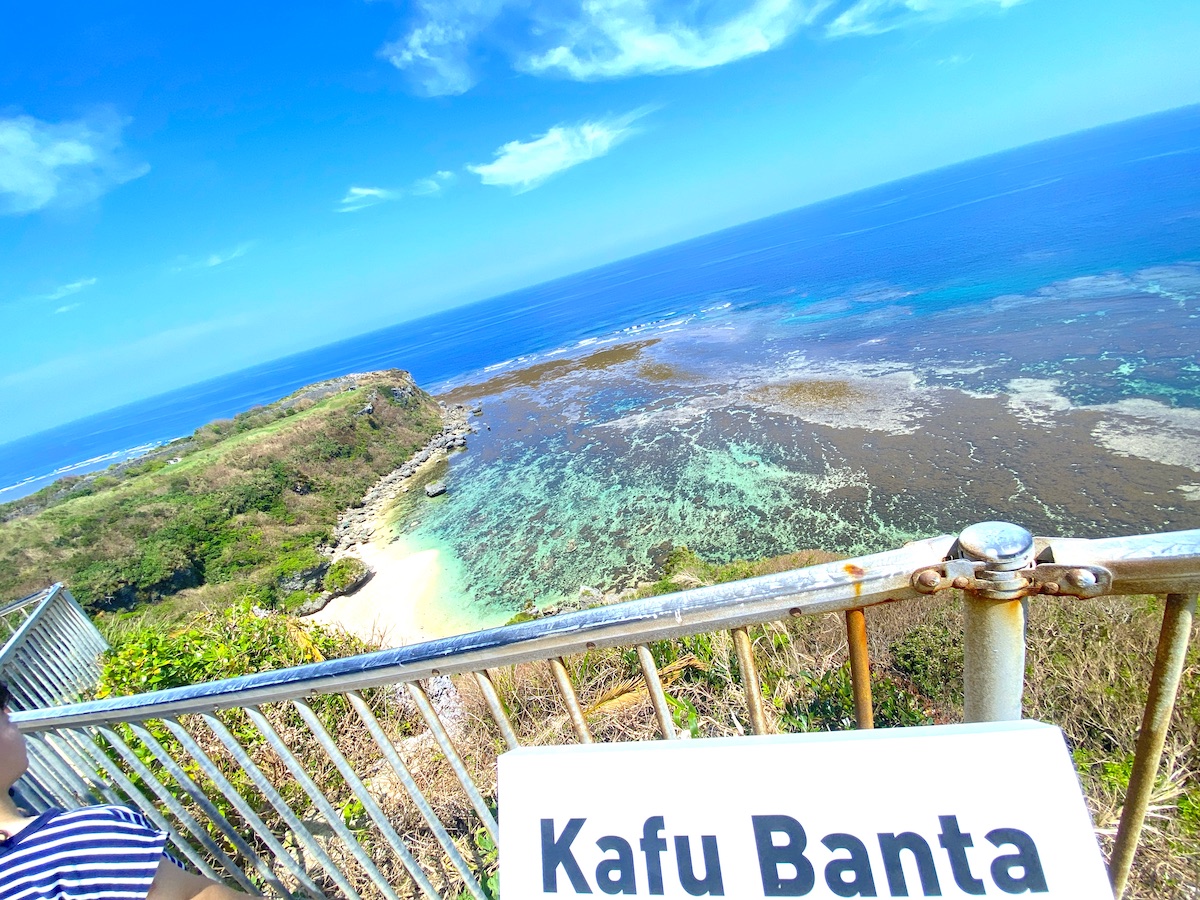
(796, 612)
(591, 645)
(1081, 578)
(961, 582)
(435, 672)
(929, 579)
(1050, 587)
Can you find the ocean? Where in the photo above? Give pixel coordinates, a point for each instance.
(1012, 336)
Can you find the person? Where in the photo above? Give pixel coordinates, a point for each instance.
(97, 852)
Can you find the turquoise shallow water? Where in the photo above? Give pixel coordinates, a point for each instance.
(752, 430)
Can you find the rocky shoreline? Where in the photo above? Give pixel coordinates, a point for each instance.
(356, 525)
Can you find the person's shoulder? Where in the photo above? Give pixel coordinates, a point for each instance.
(105, 815)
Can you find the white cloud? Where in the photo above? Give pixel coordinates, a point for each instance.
(362, 197)
(867, 17)
(597, 39)
(44, 164)
(67, 308)
(436, 52)
(219, 259)
(68, 289)
(424, 187)
(524, 165)
(618, 38)
(212, 260)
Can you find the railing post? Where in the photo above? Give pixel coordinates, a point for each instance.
(994, 622)
(1169, 659)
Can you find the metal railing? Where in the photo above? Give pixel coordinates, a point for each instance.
(50, 651)
(330, 832)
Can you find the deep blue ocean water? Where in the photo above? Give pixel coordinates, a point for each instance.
(1112, 202)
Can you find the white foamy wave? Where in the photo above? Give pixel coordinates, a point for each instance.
(1180, 283)
(104, 460)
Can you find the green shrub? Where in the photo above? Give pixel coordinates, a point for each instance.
(828, 703)
(930, 656)
(215, 645)
(344, 573)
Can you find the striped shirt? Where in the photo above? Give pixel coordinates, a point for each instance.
(95, 853)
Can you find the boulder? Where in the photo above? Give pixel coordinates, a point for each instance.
(433, 490)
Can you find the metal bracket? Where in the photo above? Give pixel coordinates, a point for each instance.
(1043, 578)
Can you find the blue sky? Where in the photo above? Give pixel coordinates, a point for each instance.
(189, 189)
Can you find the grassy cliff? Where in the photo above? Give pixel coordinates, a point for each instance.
(239, 509)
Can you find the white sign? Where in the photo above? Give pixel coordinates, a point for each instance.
(948, 811)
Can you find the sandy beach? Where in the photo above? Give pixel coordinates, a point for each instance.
(387, 609)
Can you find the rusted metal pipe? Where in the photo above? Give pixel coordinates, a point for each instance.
(657, 695)
(567, 691)
(750, 682)
(1156, 719)
(860, 667)
(484, 680)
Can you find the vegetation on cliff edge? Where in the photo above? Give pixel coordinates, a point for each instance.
(240, 509)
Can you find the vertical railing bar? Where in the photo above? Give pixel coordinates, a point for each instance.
(50, 781)
(76, 781)
(320, 800)
(414, 791)
(1169, 660)
(48, 658)
(214, 815)
(360, 790)
(168, 799)
(429, 714)
(657, 695)
(750, 682)
(75, 665)
(567, 691)
(30, 788)
(66, 746)
(860, 667)
(65, 652)
(106, 766)
(303, 836)
(24, 676)
(68, 778)
(58, 620)
(217, 777)
(484, 680)
(47, 694)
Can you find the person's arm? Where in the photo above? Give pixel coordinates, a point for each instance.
(173, 883)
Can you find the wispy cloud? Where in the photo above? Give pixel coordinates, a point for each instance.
(67, 290)
(523, 165)
(436, 52)
(67, 308)
(619, 38)
(362, 197)
(954, 60)
(868, 17)
(446, 42)
(426, 187)
(46, 164)
(212, 260)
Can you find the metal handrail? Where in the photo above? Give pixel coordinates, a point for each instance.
(51, 657)
(996, 566)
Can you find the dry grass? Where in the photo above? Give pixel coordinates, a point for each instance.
(1088, 670)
